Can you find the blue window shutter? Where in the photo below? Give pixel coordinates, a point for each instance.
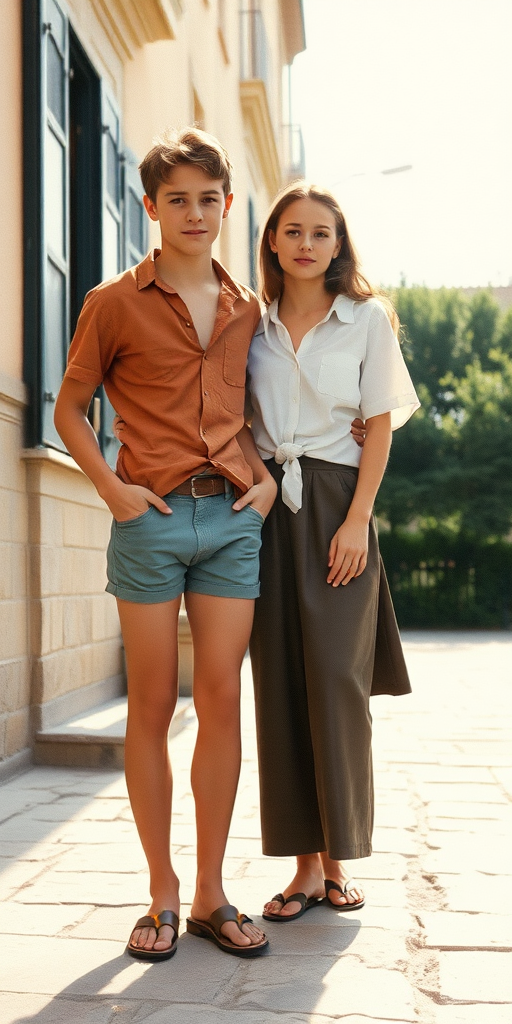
(253, 244)
(112, 157)
(54, 224)
(135, 218)
(112, 247)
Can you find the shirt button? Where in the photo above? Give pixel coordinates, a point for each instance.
(188, 324)
(205, 393)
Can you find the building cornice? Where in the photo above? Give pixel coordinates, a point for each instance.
(256, 113)
(13, 390)
(130, 24)
(50, 456)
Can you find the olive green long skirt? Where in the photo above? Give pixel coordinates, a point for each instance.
(317, 654)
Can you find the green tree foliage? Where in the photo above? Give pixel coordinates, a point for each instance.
(504, 339)
(482, 476)
(451, 465)
(481, 329)
(434, 336)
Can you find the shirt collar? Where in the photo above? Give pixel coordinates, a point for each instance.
(342, 305)
(146, 274)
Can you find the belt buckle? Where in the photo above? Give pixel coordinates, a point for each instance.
(203, 479)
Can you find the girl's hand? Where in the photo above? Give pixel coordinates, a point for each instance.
(118, 424)
(358, 431)
(129, 501)
(348, 552)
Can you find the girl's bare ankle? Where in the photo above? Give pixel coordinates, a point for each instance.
(165, 888)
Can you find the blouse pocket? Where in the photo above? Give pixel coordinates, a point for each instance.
(339, 376)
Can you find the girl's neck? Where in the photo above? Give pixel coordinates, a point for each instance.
(301, 298)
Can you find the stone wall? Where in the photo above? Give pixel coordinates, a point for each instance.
(74, 629)
(60, 643)
(14, 628)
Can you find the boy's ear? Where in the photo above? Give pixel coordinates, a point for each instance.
(150, 208)
(227, 204)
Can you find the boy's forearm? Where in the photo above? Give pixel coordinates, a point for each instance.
(373, 463)
(78, 435)
(247, 444)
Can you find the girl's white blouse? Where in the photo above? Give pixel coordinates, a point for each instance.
(302, 403)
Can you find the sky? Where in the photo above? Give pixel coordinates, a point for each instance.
(421, 83)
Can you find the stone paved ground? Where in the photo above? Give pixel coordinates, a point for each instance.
(432, 945)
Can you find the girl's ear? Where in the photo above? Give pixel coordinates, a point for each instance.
(338, 247)
(272, 241)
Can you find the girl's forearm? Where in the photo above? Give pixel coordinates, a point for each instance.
(373, 463)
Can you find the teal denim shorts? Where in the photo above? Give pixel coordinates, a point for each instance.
(204, 547)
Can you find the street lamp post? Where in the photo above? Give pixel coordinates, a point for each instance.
(363, 174)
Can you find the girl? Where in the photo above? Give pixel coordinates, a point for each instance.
(325, 634)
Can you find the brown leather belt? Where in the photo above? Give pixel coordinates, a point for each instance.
(202, 486)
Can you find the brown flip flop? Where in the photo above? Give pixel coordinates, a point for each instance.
(211, 929)
(306, 902)
(155, 921)
(349, 884)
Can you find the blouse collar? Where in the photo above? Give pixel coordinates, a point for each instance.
(342, 305)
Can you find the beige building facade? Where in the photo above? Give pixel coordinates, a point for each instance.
(85, 85)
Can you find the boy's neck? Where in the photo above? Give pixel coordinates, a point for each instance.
(181, 271)
(302, 297)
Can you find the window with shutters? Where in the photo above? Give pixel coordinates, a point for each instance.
(83, 212)
(253, 245)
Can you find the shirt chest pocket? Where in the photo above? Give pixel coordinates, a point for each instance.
(234, 371)
(339, 376)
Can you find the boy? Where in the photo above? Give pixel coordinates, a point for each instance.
(169, 340)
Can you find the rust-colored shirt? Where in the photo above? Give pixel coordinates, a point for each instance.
(181, 406)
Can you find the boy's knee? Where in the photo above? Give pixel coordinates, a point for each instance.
(155, 711)
(220, 704)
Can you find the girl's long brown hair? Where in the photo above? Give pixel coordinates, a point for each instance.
(343, 276)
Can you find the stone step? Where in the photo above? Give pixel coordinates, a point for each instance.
(95, 738)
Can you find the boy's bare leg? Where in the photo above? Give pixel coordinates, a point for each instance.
(220, 630)
(151, 645)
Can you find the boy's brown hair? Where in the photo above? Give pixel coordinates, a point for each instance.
(185, 146)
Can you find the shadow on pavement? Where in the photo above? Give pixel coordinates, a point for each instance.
(200, 984)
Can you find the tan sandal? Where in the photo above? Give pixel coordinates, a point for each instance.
(211, 929)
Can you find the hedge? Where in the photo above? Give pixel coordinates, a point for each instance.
(439, 580)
